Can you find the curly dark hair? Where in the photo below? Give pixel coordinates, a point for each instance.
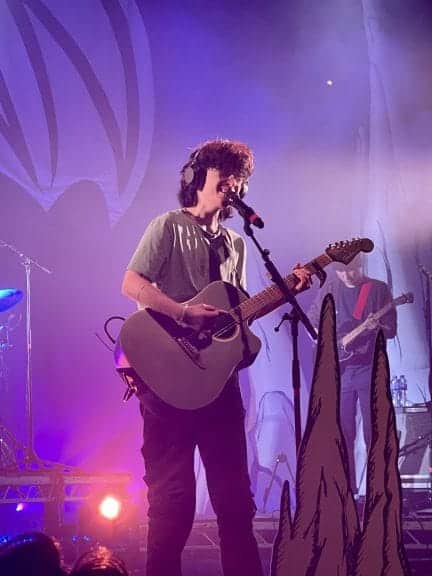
(227, 156)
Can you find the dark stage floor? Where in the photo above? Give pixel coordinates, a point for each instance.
(201, 555)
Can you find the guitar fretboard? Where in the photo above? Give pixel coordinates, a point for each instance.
(272, 297)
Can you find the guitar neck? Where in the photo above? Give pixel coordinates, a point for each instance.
(272, 297)
(348, 338)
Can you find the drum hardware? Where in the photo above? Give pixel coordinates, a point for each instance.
(5, 345)
(9, 297)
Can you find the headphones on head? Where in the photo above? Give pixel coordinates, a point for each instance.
(243, 189)
(192, 172)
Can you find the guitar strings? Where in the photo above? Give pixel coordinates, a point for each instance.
(233, 322)
(227, 327)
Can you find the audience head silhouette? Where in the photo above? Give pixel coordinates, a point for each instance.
(30, 554)
(99, 562)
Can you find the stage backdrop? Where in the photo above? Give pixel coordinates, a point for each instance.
(100, 104)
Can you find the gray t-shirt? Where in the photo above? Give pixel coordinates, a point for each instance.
(174, 254)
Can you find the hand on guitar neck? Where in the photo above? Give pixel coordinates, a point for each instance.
(304, 278)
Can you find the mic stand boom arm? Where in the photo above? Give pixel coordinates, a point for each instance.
(297, 315)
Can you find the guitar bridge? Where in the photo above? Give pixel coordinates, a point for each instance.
(184, 336)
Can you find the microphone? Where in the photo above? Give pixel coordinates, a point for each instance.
(244, 210)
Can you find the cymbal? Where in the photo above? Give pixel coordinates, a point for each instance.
(9, 297)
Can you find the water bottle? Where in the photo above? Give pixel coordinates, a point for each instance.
(403, 387)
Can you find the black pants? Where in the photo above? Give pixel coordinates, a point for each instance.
(170, 438)
(355, 386)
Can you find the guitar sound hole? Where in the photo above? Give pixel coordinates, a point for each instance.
(224, 327)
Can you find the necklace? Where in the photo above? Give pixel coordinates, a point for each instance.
(207, 233)
(210, 235)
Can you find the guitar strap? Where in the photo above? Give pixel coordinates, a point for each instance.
(216, 246)
(361, 300)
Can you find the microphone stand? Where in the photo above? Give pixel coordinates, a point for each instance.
(28, 264)
(427, 311)
(297, 315)
(282, 457)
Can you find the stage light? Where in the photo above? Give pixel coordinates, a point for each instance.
(106, 515)
(329, 82)
(110, 507)
(20, 507)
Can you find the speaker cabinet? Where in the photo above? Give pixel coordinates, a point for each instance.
(414, 425)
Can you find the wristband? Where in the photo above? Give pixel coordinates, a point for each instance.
(180, 319)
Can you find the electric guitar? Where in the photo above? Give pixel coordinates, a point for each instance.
(346, 351)
(188, 369)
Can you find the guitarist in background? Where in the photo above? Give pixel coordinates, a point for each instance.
(357, 297)
(180, 253)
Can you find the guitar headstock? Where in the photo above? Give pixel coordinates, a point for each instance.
(347, 250)
(407, 298)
